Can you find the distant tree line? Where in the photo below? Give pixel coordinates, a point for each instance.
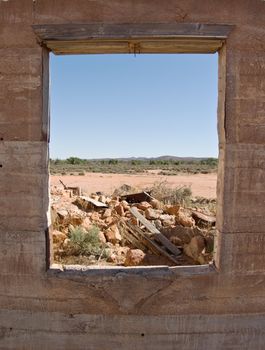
(212, 162)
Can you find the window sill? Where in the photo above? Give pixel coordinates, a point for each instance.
(112, 271)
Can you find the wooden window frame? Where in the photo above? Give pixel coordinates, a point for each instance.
(63, 39)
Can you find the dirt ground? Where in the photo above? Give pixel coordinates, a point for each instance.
(201, 184)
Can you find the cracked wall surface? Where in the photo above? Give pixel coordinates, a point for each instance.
(211, 308)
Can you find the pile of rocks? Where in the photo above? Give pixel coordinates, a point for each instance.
(178, 224)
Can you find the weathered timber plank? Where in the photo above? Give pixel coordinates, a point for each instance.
(123, 293)
(130, 235)
(151, 228)
(93, 332)
(155, 233)
(92, 201)
(130, 324)
(124, 31)
(132, 38)
(46, 341)
(151, 244)
(141, 46)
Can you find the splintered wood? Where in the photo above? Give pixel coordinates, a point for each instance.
(153, 240)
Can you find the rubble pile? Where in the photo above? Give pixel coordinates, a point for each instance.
(128, 229)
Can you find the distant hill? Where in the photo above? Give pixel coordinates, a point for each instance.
(166, 157)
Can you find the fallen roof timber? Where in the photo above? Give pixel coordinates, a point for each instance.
(154, 233)
(140, 239)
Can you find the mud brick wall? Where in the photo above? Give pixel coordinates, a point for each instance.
(216, 307)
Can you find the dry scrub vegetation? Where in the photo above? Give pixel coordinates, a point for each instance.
(166, 165)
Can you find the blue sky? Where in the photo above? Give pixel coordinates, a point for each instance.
(108, 106)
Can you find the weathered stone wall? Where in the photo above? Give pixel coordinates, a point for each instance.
(208, 308)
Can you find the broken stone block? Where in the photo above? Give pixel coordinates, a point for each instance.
(102, 237)
(151, 214)
(112, 234)
(58, 237)
(176, 240)
(106, 214)
(134, 257)
(195, 248)
(109, 220)
(119, 209)
(125, 205)
(95, 216)
(172, 209)
(86, 224)
(143, 206)
(112, 258)
(167, 220)
(66, 243)
(185, 219)
(134, 221)
(113, 203)
(63, 213)
(185, 234)
(156, 204)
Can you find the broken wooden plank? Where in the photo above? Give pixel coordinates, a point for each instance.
(150, 227)
(86, 203)
(150, 244)
(93, 201)
(137, 197)
(157, 235)
(130, 235)
(64, 186)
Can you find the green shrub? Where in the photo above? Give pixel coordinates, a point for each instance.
(85, 242)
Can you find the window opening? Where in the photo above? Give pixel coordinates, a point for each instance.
(133, 159)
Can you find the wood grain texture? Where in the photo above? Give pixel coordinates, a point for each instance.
(129, 31)
(133, 46)
(132, 38)
(155, 308)
(63, 331)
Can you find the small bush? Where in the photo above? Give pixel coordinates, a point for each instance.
(83, 242)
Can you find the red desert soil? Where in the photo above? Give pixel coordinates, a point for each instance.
(201, 184)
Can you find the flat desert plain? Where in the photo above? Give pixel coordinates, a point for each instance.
(203, 185)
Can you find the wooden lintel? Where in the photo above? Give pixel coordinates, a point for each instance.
(120, 38)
